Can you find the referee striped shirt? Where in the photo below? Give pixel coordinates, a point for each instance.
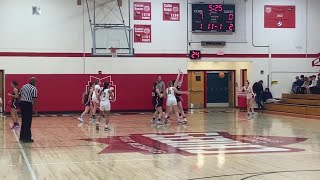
(28, 92)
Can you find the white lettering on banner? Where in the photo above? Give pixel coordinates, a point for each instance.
(167, 5)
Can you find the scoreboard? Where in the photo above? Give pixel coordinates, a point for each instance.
(213, 18)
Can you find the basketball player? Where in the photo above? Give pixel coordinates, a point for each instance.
(172, 101)
(106, 95)
(250, 96)
(96, 98)
(177, 84)
(86, 100)
(14, 104)
(157, 101)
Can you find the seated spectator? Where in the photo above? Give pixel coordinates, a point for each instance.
(267, 97)
(316, 89)
(295, 84)
(299, 83)
(305, 85)
(313, 82)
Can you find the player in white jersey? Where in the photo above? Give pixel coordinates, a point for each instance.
(106, 95)
(172, 101)
(250, 96)
(96, 98)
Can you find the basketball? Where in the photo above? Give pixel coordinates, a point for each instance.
(221, 75)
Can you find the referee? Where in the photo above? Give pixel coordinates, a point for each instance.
(28, 94)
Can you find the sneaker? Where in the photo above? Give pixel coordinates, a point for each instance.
(17, 125)
(80, 119)
(185, 121)
(97, 126)
(107, 129)
(159, 122)
(180, 121)
(153, 121)
(166, 121)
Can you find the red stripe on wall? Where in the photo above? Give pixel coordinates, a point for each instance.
(157, 55)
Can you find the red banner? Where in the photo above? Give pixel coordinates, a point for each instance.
(142, 10)
(142, 33)
(171, 11)
(279, 16)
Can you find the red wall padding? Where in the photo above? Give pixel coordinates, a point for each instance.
(62, 92)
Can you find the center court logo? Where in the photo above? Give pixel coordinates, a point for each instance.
(102, 80)
(189, 144)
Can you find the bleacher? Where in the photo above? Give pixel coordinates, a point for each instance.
(306, 104)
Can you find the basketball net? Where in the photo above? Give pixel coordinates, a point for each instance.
(113, 52)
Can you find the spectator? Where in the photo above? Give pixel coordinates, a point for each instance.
(300, 82)
(313, 83)
(295, 84)
(257, 90)
(316, 89)
(267, 97)
(306, 83)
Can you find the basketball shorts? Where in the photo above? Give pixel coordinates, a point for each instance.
(105, 106)
(178, 98)
(95, 99)
(87, 103)
(172, 102)
(250, 96)
(157, 102)
(15, 104)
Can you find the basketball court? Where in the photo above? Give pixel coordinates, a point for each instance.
(214, 145)
(124, 52)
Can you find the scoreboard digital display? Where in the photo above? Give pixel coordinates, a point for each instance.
(213, 18)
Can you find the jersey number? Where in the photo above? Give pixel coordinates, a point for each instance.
(169, 92)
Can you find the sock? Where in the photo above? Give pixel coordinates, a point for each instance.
(106, 126)
(154, 118)
(159, 119)
(179, 114)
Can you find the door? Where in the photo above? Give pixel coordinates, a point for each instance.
(217, 89)
(2, 90)
(196, 85)
(244, 76)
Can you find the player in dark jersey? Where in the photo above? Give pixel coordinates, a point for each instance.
(177, 84)
(86, 100)
(157, 102)
(14, 104)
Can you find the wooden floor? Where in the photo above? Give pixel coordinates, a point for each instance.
(214, 145)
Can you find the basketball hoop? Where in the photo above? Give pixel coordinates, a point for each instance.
(113, 52)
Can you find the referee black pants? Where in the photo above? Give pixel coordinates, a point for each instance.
(26, 113)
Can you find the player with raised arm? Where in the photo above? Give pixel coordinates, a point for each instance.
(178, 84)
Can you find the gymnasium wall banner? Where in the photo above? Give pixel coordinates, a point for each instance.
(142, 10)
(142, 33)
(279, 16)
(171, 11)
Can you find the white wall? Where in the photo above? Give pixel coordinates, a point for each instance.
(63, 27)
